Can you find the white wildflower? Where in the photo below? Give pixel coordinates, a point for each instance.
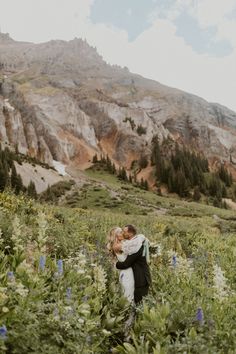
(16, 235)
(84, 309)
(159, 250)
(3, 290)
(5, 309)
(183, 266)
(81, 320)
(21, 290)
(80, 271)
(3, 296)
(66, 325)
(1, 238)
(100, 279)
(78, 262)
(81, 260)
(221, 288)
(24, 267)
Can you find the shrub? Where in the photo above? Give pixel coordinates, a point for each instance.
(141, 130)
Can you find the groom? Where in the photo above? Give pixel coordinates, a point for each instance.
(142, 277)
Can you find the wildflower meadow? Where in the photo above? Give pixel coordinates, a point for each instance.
(59, 290)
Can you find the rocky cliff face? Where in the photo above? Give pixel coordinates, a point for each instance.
(60, 101)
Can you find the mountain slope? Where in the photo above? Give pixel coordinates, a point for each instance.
(60, 101)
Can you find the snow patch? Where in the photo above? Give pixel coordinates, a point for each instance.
(60, 167)
(7, 105)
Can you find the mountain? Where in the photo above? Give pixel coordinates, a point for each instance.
(61, 101)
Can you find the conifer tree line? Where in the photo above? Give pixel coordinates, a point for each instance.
(106, 164)
(183, 170)
(9, 178)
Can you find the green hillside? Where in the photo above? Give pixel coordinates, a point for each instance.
(59, 289)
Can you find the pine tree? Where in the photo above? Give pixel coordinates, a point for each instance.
(146, 185)
(182, 184)
(19, 185)
(224, 191)
(225, 176)
(108, 164)
(143, 162)
(230, 179)
(122, 174)
(216, 202)
(171, 180)
(49, 195)
(14, 179)
(16, 149)
(3, 177)
(142, 183)
(165, 172)
(113, 169)
(103, 160)
(156, 154)
(196, 194)
(31, 190)
(214, 185)
(95, 158)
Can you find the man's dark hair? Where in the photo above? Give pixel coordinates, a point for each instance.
(131, 229)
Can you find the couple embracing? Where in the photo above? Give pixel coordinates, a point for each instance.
(132, 253)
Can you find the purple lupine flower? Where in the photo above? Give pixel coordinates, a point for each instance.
(200, 315)
(3, 332)
(174, 261)
(10, 276)
(60, 266)
(68, 294)
(42, 263)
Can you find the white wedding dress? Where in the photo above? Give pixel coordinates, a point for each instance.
(126, 279)
(126, 275)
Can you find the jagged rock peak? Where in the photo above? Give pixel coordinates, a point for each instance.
(5, 38)
(76, 46)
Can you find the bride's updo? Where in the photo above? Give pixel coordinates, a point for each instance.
(112, 238)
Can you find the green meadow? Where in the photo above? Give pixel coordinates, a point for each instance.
(59, 289)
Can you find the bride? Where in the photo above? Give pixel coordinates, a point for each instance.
(126, 276)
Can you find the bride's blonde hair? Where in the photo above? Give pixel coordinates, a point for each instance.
(111, 239)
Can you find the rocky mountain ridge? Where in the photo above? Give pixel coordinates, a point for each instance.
(60, 101)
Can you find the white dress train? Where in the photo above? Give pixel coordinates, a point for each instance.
(126, 279)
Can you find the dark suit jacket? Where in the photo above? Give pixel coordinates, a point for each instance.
(140, 268)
